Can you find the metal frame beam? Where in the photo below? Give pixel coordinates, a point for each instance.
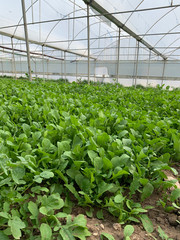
(119, 24)
(13, 59)
(164, 66)
(148, 68)
(88, 42)
(95, 15)
(26, 38)
(137, 59)
(45, 45)
(118, 54)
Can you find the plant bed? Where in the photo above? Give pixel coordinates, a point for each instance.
(99, 147)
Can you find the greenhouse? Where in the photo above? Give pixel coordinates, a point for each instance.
(131, 42)
(90, 120)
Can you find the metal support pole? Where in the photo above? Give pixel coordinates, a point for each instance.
(76, 69)
(134, 65)
(148, 68)
(2, 59)
(47, 68)
(43, 62)
(26, 37)
(99, 34)
(13, 60)
(137, 59)
(164, 66)
(62, 65)
(118, 54)
(95, 70)
(128, 48)
(21, 60)
(32, 3)
(69, 23)
(65, 65)
(36, 74)
(88, 35)
(2, 67)
(39, 20)
(74, 11)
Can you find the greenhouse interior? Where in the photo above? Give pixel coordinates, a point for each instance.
(90, 120)
(134, 43)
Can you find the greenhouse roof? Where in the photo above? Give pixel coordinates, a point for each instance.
(61, 25)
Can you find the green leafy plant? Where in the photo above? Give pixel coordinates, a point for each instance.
(128, 231)
(63, 144)
(162, 234)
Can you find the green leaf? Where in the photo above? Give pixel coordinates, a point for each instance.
(120, 161)
(46, 144)
(38, 179)
(175, 194)
(6, 206)
(80, 221)
(175, 205)
(147, 224)
(104, 187)
(46, 232)
(92, 155)
(107, 236)
(165, 158)
(135, 184)
(16, 224)
(50, 203)
(138, 210)
(61, 175)
(143, 181)
(119, 198)
(17, 174)
(123, 133)
(5, 181)
(107, 164)
(83, 182)
(26, 129)
(39, 189)
(103, 139)
(47, 174)
(72, 189)
(90, 213)
(81, 233)
(61, 215)
(162, 234)
(87, 198)
(176, 140)
(4, 215)
(62, 147)
(119, 174)
(147, 191)
(98, 163)
(101, 114)
(33, 208)
(128, 230)
(126, 141)
(66, 234)
(99, 214)
(3, 236)
(133, 219)
(36, 136)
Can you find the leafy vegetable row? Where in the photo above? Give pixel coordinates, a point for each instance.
(95, 145)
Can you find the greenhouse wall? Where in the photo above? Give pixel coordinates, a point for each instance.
(127, 69)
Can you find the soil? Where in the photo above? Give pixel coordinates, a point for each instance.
(167, 221)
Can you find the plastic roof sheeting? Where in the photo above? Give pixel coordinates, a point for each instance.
(62, 25)
(160, 27)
